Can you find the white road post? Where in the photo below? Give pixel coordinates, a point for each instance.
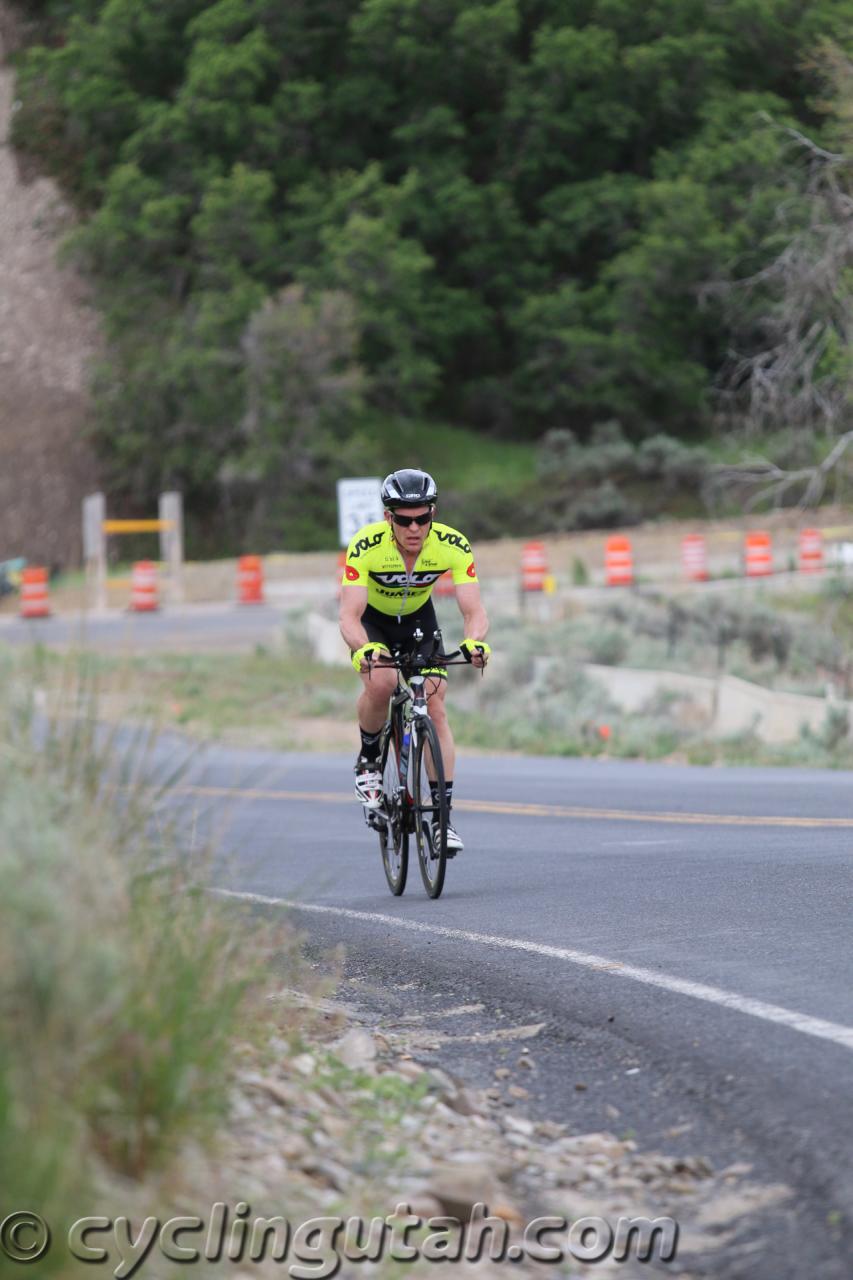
(172, 543)
(95, 550)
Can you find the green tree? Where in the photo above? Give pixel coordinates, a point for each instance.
(537, 209)
(303, 391)
(348, 236)
(792, 319)
(235, 231)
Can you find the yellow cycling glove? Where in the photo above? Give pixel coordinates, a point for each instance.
(366, 652)
(468, 647)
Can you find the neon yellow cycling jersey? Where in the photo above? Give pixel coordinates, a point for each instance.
(374, 561)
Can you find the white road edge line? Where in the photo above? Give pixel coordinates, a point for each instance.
(802, 1022)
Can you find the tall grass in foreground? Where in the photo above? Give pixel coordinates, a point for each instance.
(123, 985)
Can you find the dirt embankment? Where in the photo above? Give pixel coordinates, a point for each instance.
(48, 335)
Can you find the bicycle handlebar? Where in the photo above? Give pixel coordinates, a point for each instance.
(418, 661)
(398, 660)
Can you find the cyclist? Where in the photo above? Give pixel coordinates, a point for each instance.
(391, 568)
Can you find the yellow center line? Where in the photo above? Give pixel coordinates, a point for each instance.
(541, 810)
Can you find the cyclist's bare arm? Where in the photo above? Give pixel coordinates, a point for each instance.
(475, 620)
(353, 605)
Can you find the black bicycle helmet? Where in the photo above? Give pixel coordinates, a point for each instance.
(408, 488)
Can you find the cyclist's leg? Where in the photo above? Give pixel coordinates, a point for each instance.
(436, 690)
(436, 694)
(377, 687)
(372, 705)
(372, 708)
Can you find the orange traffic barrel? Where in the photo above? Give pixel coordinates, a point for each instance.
(143, 587)
(694, 558)
(250, 580)
(34, 601)
(618, 561)
(811, 551)
(759, 554)
(445, 585)
(534, 566)
(339, 578)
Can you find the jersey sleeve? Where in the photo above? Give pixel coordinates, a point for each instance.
(463, 567)
(354, 572)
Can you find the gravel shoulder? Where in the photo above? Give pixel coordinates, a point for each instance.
(346, 1112)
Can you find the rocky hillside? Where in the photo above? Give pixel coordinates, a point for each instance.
(47, 337)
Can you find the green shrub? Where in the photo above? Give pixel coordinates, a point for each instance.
(767, 635)
(580, 573)
(608, 647)
(669, 460)
(610, 482)
(836, 728)
(123, 985)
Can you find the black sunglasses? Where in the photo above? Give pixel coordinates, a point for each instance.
(406, 521)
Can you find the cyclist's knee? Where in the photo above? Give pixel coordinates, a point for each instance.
(437, 710)
(378, 686)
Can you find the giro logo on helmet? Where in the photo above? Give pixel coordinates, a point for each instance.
(408, 486)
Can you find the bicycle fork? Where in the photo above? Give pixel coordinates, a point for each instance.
(418, 708)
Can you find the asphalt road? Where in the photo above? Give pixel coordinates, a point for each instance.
(688, 927)
(229, 626)
(189, 628)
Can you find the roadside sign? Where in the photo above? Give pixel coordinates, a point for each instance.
(841, 554)
(359, 503)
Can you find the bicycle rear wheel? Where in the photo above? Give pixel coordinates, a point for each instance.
(393, 837)
(430, 819)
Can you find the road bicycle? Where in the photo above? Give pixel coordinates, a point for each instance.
(410, 757)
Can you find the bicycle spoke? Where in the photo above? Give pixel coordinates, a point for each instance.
(430, 816)
(393, 840)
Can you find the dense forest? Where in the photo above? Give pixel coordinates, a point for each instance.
(306, 220)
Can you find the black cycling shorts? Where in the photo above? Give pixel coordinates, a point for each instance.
(400, 635)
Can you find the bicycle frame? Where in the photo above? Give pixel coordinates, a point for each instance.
(408, 703)
(408, 807)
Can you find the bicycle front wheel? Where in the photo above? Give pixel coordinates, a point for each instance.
(430, 819)
(393, 837)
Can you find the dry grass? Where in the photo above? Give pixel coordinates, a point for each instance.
(124, 987)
